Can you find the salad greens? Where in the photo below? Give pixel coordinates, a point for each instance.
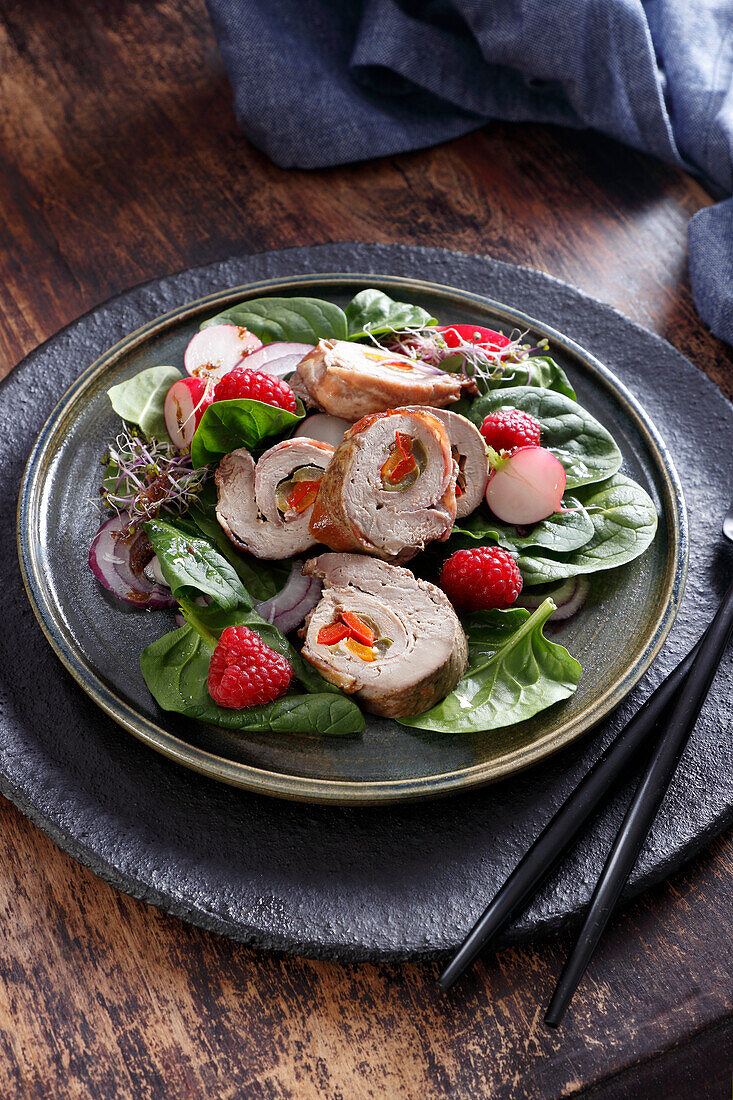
(513, 672)
(564, 531)
(586, 449)
(227, 425)
(140, 399)
(624, 523)
(308, 320)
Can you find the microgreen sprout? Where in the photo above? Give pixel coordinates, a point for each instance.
(145, 477)
(480, 364)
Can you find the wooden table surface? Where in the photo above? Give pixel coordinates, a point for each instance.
(121, 161)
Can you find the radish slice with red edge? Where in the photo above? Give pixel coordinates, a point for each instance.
(111, 562)
(323, 427)
(278, 359)
(526, 487)
(289, 607)
(570, 597)
(185, 403)
(216, 350)
(455, 335)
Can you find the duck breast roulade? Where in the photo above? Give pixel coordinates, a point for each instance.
(382, 635)
(265, 508)
(353, 380)
(469, 452)
(389, 488)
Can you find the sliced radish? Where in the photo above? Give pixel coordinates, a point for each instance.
(116, 562)
(526, 487)
(279, 359)
(185, 404)
(216, 350)
(323, 427)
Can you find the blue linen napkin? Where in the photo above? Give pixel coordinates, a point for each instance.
(324, 82)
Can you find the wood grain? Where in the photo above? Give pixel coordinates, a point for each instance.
(122, 161)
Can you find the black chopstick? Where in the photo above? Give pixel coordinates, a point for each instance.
(558, 835)
(644, 805)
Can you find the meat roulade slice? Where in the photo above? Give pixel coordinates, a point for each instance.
(353, 380)
(469, 451)
(382, 635)
(265, 508)
(389, 488)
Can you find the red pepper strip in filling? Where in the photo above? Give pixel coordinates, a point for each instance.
(331, 635)
(302, 495)
(357, 628)
(401, 461)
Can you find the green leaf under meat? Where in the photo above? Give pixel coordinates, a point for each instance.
(227, 425)
(513, 673)
(371, 312)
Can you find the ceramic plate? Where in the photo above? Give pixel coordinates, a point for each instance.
(624, 623)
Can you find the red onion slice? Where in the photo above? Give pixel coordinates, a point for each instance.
(277, 359)
(289, 607)
(109, 561)
(570, 597)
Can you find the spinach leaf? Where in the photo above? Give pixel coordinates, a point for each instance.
(302, 320)
(585, 448)
(191, 566)
(227, 425)
(539, 371)
(262, 579)
(513, 673)
(210, 621)
(372, 312)
(624, 523)
(140, 399)
(562, 531)
(175, 668)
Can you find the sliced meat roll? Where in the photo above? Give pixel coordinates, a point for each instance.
(390, 487)
(403, 648)
(469, 451)
(353, 380)
(265, 508)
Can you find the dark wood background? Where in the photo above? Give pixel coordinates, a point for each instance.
(120, 160)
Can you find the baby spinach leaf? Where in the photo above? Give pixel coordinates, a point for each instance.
(227, 425)
(140, 399)
(538, 370)
(562, 531)
(262, 579)
(513, 673)
(191, 566)
(302, 320)
(175, 668)
(372, 312)
(210, 621)
(585, 448)
(624, 523)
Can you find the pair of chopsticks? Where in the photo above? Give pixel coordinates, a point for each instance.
(671, 711)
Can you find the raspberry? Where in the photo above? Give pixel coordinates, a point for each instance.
(255, 384)
(509, 429)
(481, 579)
(244, 672)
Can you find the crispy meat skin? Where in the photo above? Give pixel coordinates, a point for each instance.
(246, 507)
(351, 380)
(354, 512)
(429, 651)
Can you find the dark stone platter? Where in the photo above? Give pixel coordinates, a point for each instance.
(390, 882)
